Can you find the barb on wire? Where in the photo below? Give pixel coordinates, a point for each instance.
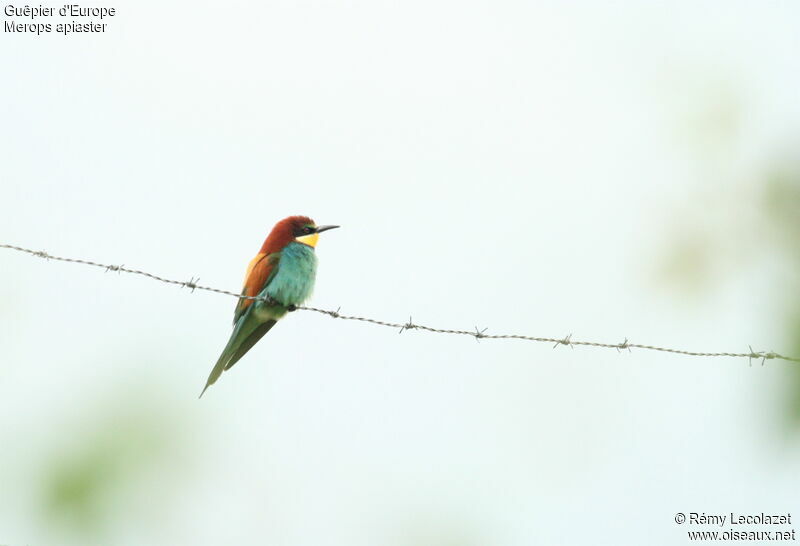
(193, 285)
(567, 340)
(407, 326)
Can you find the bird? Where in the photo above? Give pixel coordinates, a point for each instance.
(282, 277)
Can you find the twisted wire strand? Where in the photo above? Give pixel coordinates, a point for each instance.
(193, 285)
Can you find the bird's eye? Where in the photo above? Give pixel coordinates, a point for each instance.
(308, 229)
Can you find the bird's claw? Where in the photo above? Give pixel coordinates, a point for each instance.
(291, 308)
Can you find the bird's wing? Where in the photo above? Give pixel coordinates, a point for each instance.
(248, 327)
(259, 272)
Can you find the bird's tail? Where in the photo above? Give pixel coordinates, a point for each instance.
(215, 372)
(246, 333)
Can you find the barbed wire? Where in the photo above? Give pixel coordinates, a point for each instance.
(477, 334)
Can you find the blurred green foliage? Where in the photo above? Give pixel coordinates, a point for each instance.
(782, 207)
(746, 208)
(782, 202)
(84, 482)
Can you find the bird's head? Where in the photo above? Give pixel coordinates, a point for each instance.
(307, 232)
(300, 229)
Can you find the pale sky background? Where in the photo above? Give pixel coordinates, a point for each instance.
(517, 166)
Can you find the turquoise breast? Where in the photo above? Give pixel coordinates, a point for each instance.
(294, 281)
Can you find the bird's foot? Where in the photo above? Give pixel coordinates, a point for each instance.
(291, 308)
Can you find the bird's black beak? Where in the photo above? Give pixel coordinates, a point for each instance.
(320, 229)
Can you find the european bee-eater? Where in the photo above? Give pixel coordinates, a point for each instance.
(282, 273)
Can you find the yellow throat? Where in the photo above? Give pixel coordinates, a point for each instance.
(310, 239)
